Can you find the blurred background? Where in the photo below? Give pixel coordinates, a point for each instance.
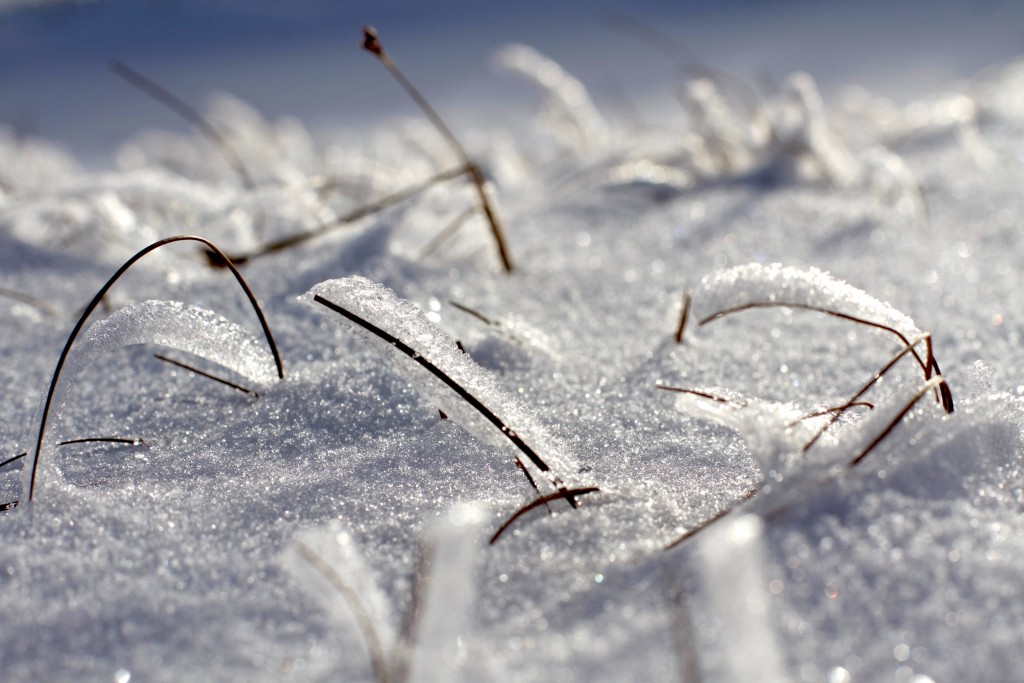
(303, 58)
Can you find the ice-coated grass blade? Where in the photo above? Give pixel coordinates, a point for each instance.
(189, 114)
(371, 43)
(537, 502)
(374, 646)
(928, 366)
(202, 373)
(100, 296)
(461, 391)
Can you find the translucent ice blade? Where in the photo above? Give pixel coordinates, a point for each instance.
(466, 392)
(191, 329)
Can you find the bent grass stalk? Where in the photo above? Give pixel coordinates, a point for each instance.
(461, 391)
(190, 114)
(927, 366)
(100, 296)
(330, 226)
(371, 43)
(537, 502)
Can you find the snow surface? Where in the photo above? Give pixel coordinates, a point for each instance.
(336, 526)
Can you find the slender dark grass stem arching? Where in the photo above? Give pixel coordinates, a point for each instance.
(536, 503)
(461, 391)
(187, 112)
(371, 44)
(374, 646)
(928, 367)
(702, 394)
(833, 411)
(99, 297)
(202, 373)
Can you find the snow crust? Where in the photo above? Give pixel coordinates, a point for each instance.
(716, 546)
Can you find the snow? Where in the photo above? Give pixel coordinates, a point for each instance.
(338, 525)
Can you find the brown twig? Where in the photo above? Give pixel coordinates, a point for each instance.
(928, 386)
(202, 373)
(717, 516)
(684, 314)
(537, 502)
(371, 43)
(928, 367)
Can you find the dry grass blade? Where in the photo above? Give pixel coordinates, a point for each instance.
(219, 260)
(683, 316)
(461, 391)
(928, 366)
(16, 458)
(187, 112)
(928, 386)
(711, 520)
(833, 411)
(864, 389)
(131, 441)
(537, 502)
(37, 303)
(207, 375)
(100, 296)
(702, 394)
(374, 647)
(438, 240)
(371, 43)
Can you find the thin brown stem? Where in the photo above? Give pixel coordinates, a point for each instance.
(130, 441)
(928, 386)
(353, 216)
(536, 503)
(16, 458)
(684, 314)
(371, 43)
(702, 394)
(101, 294)
(202, 373)
(834, 410)
(928, 367)
(438, 240)
(717, 516)
(190, 114)
(37, 303)
(864, 389)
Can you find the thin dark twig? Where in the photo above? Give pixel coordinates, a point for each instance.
(702, 394)
(928, 386)
(864, 389)
(687, 301)
(529, 478)
(371, 43)
(131, 441)
(327, 227)
(473, 312)
(446, 234)
(190, 114)
(374, 646)
(474, 402)
(711, 520)
(536, 503)
(101, 294)
(929, 366)
(202, 373)
(8, 461)
(35, 302)
(834, 410)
